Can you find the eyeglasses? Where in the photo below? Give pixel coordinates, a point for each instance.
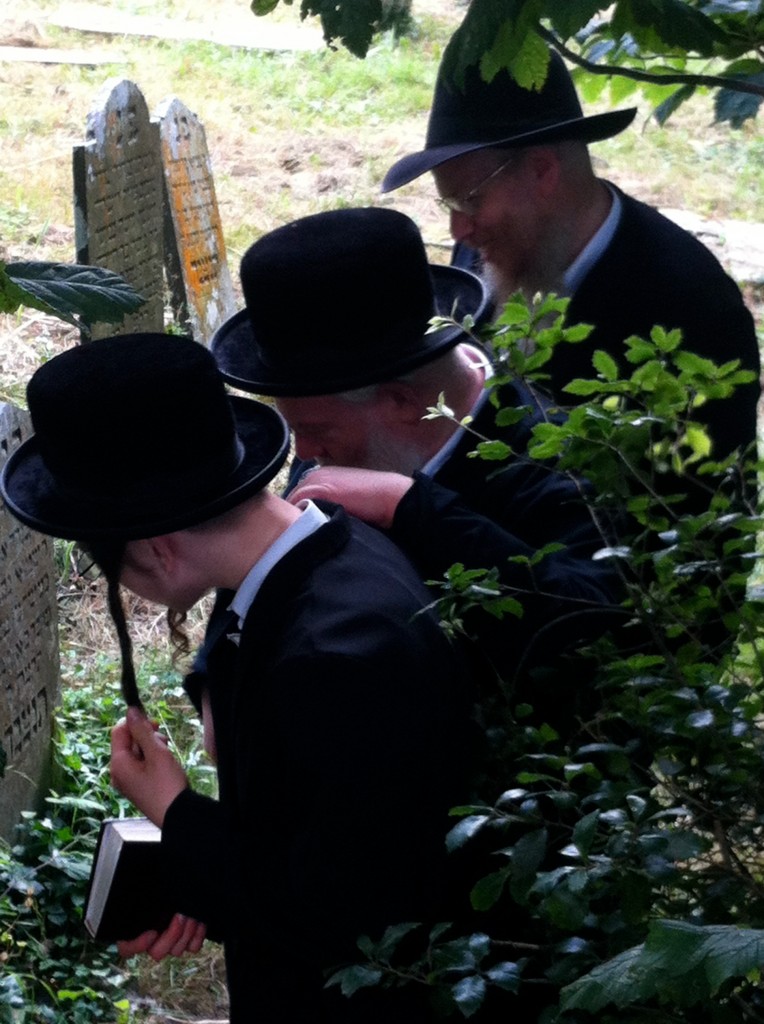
(470, 204)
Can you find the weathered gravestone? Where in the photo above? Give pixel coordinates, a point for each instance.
(201, 291)
(29, 667)
(118, 201)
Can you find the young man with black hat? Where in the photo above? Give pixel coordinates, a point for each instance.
(513, 170)
(355, 377)
(340, 709)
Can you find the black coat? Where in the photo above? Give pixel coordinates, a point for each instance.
(484, 514)
(342, 723)
(654, 272)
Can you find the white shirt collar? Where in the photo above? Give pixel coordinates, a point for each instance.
(311, 519)
(595, 247)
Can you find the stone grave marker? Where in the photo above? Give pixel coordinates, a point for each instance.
(201, 291)
(118, 201)
(29, 666)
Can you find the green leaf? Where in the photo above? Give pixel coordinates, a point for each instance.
(391, 939)
(578, 332)
(687, 962)
(676, 24)
(569, 16)
(493, 450)
(699, 441)
(738, 107)
(506, 975)
(469, 993)
(527, 856)
(701, 719)
(524, 53)
(672, 103)
(605, 365)
(351, 21)
(488, 890)
(261, 7)
(351, 979)
(510, 415)
(11, 296)
(464, 830)
(612, 982)
(66, 290)
(584, 832)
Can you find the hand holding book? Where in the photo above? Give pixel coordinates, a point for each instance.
(182, 935)
(126, 900)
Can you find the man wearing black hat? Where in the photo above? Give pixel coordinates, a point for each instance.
(340, 709)
(355, 373)
(512, 168)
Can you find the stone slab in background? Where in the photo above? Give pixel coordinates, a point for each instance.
(55, 55)
(201, 291)
(29, 665)
(118, 219)
(737, 244)
(247, 31)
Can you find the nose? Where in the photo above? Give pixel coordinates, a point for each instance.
(461, 226)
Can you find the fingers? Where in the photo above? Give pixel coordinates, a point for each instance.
(131, 947)
(182, 935)
(310, 490)
(197, 939)
(135, 735)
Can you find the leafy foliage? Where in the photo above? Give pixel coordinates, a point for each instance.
(52, 971)
(616, 866)
(67, 291)
(681, 45)
(353, 24)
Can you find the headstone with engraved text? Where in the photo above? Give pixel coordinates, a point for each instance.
(118, 201)
(200, 285)
(29, 665)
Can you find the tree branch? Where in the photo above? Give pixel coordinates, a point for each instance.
(667, 78)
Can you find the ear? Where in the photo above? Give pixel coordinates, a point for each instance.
(544, 163)
(399, 403)
(167, 552)
(154, 554)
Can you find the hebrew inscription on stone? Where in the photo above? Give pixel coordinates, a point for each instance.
(197, 271)
(29, 666)
(118, 201)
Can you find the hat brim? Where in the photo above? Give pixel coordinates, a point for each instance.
(34, 497)
(234, 347)
(593, 128)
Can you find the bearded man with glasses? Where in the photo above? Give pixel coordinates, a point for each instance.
(527, 211)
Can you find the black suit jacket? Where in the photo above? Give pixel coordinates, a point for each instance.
(484, 514)
(343, 737)
(654, 272)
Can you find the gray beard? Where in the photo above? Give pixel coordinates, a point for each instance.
(502, 288)
(388, 456)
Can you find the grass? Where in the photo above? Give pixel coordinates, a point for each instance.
(193, 987)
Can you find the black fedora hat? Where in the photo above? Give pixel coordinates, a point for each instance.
(339, 300)
(501, 114)
(135, 436)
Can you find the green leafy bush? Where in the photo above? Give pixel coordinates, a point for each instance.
(51, 970)
(618, 868)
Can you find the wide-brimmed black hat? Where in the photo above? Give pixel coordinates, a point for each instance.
(340, 300)
(135, 436)
(501, 114)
